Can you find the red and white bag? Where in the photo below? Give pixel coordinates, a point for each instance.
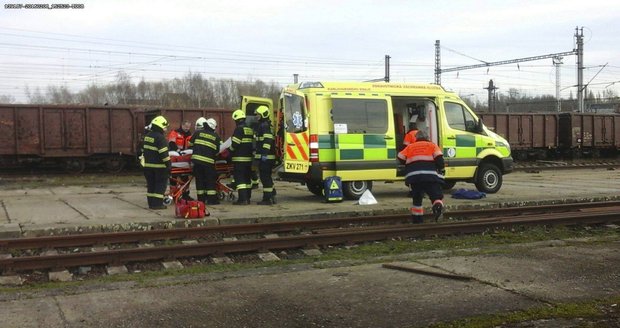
(193, 209)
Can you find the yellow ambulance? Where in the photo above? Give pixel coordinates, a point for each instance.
(354, 130)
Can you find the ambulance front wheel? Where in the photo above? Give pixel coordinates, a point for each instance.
(488, 178)
(355, 189)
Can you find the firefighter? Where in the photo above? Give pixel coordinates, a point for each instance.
(241, 151)
(156, 163)
(265, 154)
(424, 168)
(179, 139)
(205, 144)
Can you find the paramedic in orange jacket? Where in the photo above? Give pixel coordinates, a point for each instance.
(424, 172)
(179, 139)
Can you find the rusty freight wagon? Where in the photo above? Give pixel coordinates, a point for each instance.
(567, 135)
(590, 134)
(67, 135)
(531, 135)
(175, 116)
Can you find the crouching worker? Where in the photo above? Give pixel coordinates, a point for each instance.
(424, 170)
(156, 163)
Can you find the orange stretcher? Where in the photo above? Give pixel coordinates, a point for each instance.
(181, 177)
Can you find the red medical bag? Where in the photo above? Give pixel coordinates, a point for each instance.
(193, 209)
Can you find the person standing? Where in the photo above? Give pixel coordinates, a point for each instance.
(156, 163)
(179, 139)
(424, 172)
(205, 144)
(265, 155)
(241, 150)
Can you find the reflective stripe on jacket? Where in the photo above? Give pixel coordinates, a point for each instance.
(423, 161)
(155, 151)
(205, 146)
(242, 148)
(265, 143)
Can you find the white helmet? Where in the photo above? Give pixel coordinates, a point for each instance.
(211, 123)
(200, 123)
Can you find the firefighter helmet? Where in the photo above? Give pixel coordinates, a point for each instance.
(238, 115)
(211, 123)
(160, 121)
(263, 111)
(200, 123)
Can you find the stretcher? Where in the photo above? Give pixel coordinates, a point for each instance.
(181, 176)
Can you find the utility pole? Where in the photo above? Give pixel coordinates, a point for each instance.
(580, 86)
(557, 61)
(492, 96)
(386, 78)
(387, 68)
(437, 63)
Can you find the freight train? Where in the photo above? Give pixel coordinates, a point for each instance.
(557, 135)
(75, 137)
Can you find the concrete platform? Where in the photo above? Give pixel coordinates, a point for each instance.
(339, 295)
(45, 210)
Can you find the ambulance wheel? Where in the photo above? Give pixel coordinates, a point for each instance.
(355, 189)
(448, 184)
(315, 187)
(488, 178)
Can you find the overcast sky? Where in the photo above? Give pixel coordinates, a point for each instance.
(319, 40)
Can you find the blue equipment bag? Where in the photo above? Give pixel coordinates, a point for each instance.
(332, 189)
(468, 194)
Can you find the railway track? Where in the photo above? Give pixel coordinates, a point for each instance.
(115, 249)
(559, 165)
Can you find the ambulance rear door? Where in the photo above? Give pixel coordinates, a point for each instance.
(294, 131)
(249, 105)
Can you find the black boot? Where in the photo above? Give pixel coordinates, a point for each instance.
(437, 211)
(267, 199)
(243, 197)
(417, 219)
(212, 200)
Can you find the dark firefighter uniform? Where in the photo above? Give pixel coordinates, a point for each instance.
(156, 163)
(206, 145)
(265, 155)
(424, 168)
(242, 152)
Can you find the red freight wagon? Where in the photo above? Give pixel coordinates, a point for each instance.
(529, 134)
(69, 135)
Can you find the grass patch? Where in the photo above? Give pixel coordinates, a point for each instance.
(596, 309)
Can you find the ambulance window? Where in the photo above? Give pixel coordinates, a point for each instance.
(361, 115)
(457, 116)
(294, 113)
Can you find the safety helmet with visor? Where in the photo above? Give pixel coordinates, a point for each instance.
(160, 121)
(211, 123)
(262, 111)
(238, 115)
(200, 123)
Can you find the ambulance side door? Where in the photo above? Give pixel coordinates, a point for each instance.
(458, 140)
(365, 138)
